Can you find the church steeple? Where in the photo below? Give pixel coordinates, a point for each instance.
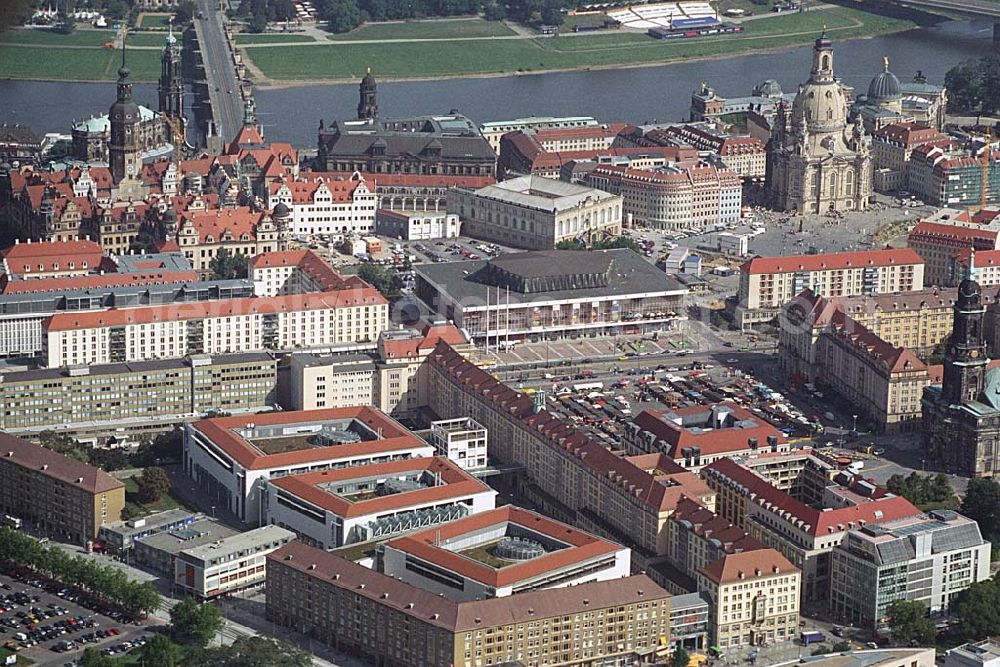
(171, 84)
(822, 64)
(368, 102)
(123, 146)
(965, 361)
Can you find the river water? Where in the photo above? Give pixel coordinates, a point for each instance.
(630, 95)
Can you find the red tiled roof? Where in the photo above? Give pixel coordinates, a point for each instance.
(25, 258)
(412, 347)
(215, 223)
(67, 321)
(895, 359)
(710, 440)
(660, 490)
(583, 546)
(909, 134)
(454, 483)
(16, 451)
(39, 285)
(428, 609)
(309, 262)
(813, 521)
(828, 261)
(938, 231)
(748, 565)
(221, 432)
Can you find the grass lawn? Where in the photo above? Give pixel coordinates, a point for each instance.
(427, 30)
(150, 20)
(75, 64)
(271, 38)
(167, 502)
(508, 56)
(21, 660)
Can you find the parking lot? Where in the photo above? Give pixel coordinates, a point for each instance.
(51, 626)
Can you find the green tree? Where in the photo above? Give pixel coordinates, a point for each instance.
(974, 85)
(153, 484)
(160, 651)
(227, 265)
(342, 15)
(982, 504)
(841, 646)
(909, 623)
(680, 658)
(93, 658)
(251, 652)
(494, 11)
(184, 13)
(977, 610)
(382, 278)
(14, 12)
(193, 623)
(64, 25)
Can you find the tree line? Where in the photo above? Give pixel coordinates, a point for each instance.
(107, 585)
(974, 85)
(192, 627)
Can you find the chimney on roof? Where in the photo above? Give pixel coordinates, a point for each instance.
(79, 480)
(45, 466)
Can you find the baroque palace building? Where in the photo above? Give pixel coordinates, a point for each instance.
(817, 161)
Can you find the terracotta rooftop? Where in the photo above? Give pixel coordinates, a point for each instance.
(454, 483)
(222, 433)
(257, 305)
(660, 490)
(809, 519)
(741, 426)
(832, 261)
(15, 451)
(440, 612)
(582, 546)
(748, 565)
(51, 256)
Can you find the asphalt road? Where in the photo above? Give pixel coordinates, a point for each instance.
(220, 72)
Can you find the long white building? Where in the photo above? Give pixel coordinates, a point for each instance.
(352, 316)
(230, 458)
(768, 283)
(335, 508)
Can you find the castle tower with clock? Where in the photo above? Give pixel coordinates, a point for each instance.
(124, 152)
(962, 415)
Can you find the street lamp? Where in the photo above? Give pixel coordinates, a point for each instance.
(213, 511)
(854, 427)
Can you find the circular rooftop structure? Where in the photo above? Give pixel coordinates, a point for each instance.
(518, 548)
(884, 87)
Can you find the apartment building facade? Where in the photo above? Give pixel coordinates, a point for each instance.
(754, 598)
(352, 316)
(804, 534)
(575, 478)
(395, 624)
(892, 146)
(55, 494)
(768, 283)
(685, 196)
(119, 403)
(939, 237)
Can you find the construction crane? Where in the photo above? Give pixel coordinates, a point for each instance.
(984, 187)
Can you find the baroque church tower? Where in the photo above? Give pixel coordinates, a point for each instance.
(124, 155)
(171, 87)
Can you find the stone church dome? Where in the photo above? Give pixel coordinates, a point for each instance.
(884, 87)
(820, 105)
